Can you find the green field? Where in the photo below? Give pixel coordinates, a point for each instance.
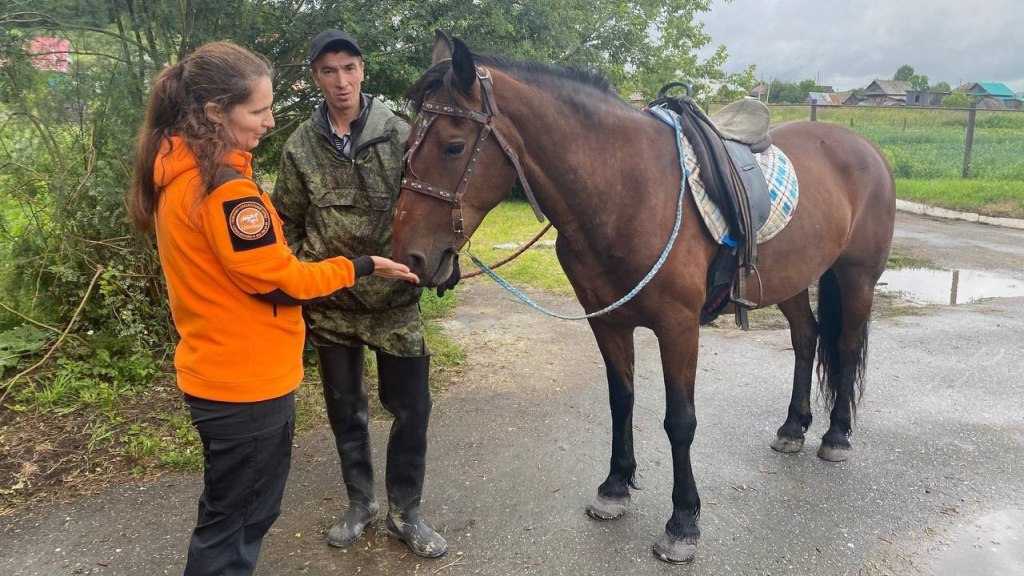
(928, 143)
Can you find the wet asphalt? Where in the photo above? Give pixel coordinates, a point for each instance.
(520, 444)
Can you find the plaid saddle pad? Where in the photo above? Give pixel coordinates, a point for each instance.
(783, 189)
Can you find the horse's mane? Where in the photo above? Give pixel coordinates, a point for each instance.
(561, 81)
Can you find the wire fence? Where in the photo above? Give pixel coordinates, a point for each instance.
(930, 143)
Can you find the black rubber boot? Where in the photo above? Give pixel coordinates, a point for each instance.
(405, 392)
(341, 369)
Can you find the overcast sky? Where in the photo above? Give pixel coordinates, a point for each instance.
(848, 43)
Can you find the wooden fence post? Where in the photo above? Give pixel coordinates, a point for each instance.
(970, 142)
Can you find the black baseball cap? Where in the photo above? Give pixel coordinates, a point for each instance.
(332, 38)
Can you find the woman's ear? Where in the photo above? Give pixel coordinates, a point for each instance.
(213, 112)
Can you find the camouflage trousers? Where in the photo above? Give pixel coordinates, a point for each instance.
(398, 332)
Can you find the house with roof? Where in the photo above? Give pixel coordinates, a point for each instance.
(996, 90)
(759, 92)
(887, 93)
(851, 97)
(826, 98)
(925, 98)
(991, 95)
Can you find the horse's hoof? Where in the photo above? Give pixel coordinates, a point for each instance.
(787, 445)
(602, 508)
(673, 551)
(834, 453)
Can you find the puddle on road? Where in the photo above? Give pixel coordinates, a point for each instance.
(991, 546)
(949, 287)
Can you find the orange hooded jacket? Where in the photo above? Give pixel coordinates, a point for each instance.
(235, 288)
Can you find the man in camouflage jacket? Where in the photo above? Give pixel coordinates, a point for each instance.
(336, 190)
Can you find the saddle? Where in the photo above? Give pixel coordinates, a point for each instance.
(724, 145)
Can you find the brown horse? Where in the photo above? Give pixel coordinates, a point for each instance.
(608, 177)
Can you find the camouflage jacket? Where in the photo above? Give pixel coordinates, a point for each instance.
(332, 205)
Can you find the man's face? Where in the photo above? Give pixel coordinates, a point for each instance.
(339, 76)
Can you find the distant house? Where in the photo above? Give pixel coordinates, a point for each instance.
(991, 95)
(826, 98)
(850, 98)
(925, 98)
(760, 92)
(996, 90)
(846, 98)
(887, 92)
(53, 54)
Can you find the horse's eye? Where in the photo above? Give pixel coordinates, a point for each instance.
(454, 148)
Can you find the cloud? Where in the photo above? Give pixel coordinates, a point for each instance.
(849, 44)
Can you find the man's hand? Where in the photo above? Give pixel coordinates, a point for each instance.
(387, 268)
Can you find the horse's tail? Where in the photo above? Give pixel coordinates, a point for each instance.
(830, 326)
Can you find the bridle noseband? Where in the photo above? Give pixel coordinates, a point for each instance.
(429, 111)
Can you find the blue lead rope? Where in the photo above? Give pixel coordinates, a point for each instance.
(672, 120)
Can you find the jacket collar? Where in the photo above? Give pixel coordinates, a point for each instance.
(323, 124)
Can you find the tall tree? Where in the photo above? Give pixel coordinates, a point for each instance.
(906, 73)
(792, 93)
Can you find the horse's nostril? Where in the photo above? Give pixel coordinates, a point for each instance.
(416, 263)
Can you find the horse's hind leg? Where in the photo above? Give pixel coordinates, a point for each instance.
(803, 332)
(616, 345)
(844, 309)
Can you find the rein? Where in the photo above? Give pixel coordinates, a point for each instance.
(514, 255)
(431, 110)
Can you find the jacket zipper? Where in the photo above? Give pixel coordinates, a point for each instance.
(365, 145)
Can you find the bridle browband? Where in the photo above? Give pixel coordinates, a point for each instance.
(429, 111)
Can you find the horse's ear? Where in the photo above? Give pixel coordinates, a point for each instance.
(463, 66)
(442, 47)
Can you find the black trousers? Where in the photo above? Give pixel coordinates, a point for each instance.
(247, 450)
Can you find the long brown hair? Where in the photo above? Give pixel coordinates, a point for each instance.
(220, 72)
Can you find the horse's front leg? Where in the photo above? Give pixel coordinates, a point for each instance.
(679, 364)
(616, 345)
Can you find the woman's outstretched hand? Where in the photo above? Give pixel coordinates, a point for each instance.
(387, 268)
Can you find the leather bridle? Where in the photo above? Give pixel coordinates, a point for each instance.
(429, 111)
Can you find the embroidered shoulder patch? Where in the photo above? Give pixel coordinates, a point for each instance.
(249, 224)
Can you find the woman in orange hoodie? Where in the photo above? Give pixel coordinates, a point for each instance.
(235, 290)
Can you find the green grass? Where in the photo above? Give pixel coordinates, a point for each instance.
(925, 148)
(1003, 198)
(929, 143)
(898, 261)
(537, 268)
(446, 355)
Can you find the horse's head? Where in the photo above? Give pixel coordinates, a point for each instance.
(460, 162)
